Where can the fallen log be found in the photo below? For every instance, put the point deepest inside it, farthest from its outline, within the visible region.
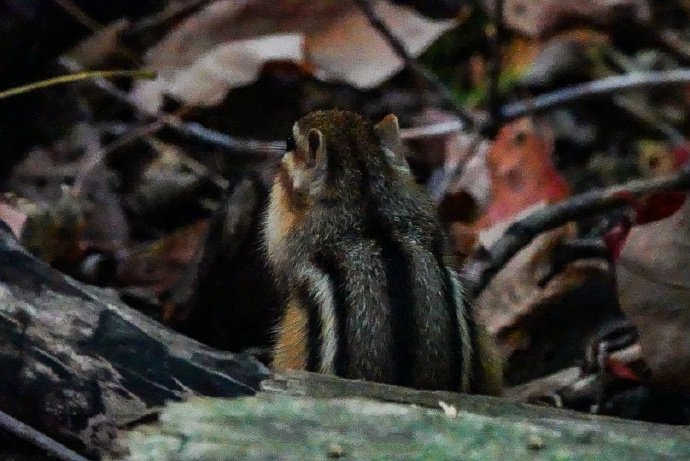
(301, 416)
(76, 363)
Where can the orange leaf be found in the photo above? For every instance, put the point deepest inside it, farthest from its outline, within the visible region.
(521, 171)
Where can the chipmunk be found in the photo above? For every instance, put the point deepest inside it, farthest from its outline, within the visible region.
(359, 247)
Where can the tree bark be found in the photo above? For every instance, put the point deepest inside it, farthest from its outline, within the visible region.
(76, 363)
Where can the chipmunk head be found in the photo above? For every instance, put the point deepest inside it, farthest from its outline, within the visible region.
(328, 155)
(333, 148)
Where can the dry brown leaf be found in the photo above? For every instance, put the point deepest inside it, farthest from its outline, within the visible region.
(173, 181)
(158, 266)
(350, 50)
(226, 44)
(13, 217)
(515, 290)
(568, 56)
(207, 81)
(536, 315)
(537, 17)
(654, 291)
(659, 158)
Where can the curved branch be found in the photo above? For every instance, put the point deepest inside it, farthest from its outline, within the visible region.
(38, 439)
(596, 88)
(481, 271)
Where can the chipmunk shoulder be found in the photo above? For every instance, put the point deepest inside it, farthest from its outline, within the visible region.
(359, 249)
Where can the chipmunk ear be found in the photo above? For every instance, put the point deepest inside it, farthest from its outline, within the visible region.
(388, 132)
(315, 147)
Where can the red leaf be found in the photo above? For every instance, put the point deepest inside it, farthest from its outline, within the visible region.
(521, 171)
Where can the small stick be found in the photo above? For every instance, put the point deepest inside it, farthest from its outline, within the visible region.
(399, 48)
(80, 15)
(38, 439)
(169, 13)
(496, 38)
(434, 129)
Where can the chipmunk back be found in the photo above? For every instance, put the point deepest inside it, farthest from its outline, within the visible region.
(360, 251)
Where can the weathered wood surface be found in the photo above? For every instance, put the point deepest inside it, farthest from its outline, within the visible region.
(76, 363)
(301, 416)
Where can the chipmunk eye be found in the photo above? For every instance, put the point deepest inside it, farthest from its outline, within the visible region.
(290, 144)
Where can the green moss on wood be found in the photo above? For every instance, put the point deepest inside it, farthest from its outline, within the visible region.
(274, 426)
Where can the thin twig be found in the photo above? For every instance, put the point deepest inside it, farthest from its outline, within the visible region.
(169, 13)
(398, 47)
(564, 96)
(79, 14)
(270, 149)
(640, 108)
(62, 79)
(38, 439)
(434, 129)
(438, 189)
(675, 43)
(496, 38)
(596, 88)
(480, 271)
(642, 113)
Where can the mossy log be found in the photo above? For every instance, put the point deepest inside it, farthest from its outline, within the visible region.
(302, 416)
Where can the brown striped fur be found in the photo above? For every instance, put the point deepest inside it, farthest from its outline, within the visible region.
(360, 251)
(291, 348)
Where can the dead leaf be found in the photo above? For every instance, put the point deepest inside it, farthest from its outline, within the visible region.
(13, 217)
(515, 289)
(654, 291)
(650, 208)
(158, 266)
(226, 44)
(538, 17)
(63, 192)
(173, 183)
(521, 171)
(457, 158)
(655, 158)
(350, 50)
(535, 311)
(207, 81)
(53, 229)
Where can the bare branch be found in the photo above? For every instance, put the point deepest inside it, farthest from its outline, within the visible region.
(38, 439)
(596, 88)
(480, 271)
(434, 129)
(79, 14)
(170, 12)
(495, 42)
